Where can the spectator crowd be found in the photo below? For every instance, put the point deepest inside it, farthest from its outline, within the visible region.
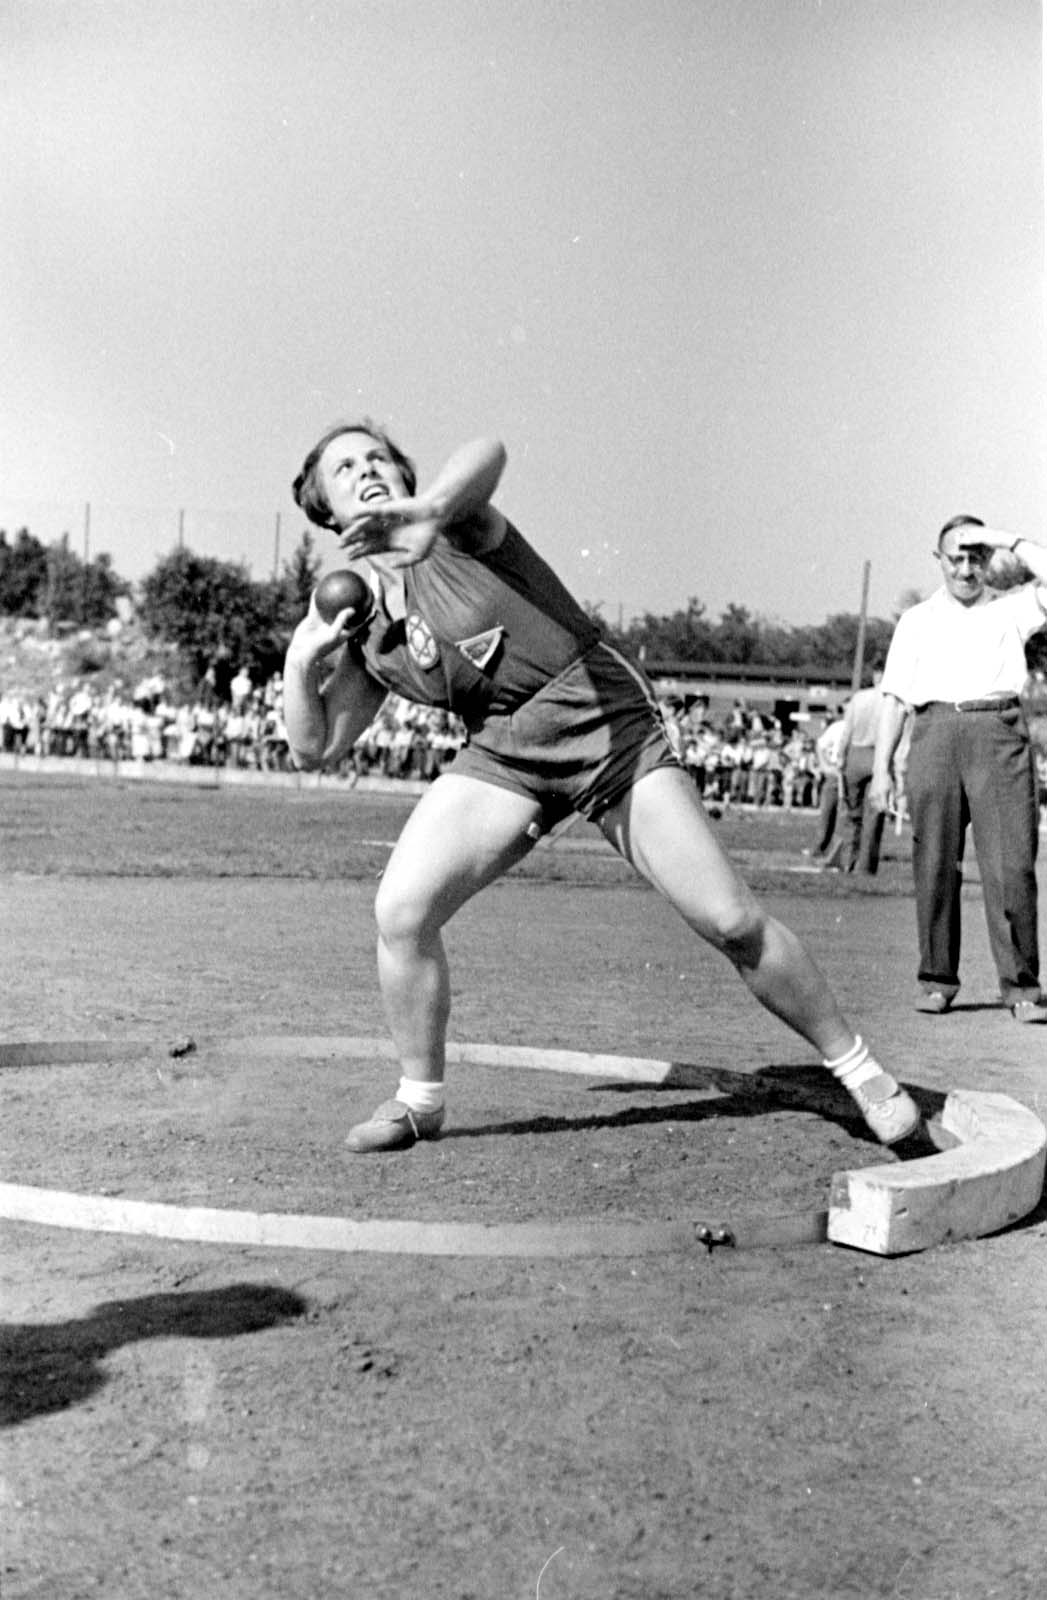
(744, 758)
(245, 731)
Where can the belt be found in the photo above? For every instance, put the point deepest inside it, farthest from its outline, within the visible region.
(1000, 702)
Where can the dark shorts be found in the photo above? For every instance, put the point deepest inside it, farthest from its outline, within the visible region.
(579, 744)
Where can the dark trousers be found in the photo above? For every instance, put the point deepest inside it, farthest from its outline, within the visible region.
(975, 768)
(864, 825)
(828, 804)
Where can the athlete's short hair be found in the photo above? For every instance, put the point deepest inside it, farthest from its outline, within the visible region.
(959, 522)
(309, 491)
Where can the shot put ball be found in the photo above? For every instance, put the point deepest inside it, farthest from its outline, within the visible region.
(340, 590)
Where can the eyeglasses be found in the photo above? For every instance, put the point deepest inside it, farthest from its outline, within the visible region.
(978, 557)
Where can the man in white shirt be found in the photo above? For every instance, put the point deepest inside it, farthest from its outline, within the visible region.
(958, 661)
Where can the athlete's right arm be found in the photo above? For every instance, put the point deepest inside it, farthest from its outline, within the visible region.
(326, 708)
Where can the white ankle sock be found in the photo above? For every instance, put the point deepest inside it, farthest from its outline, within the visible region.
(420, 1095)
(856, 1067)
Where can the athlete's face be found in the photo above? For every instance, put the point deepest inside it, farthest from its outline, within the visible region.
(356, 471)
(963, 566)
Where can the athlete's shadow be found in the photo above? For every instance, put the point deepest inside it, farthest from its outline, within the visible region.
(778, 1088)
(50, 1366)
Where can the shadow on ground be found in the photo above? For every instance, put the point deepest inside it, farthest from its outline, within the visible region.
(782, 1088)
(51, 1366)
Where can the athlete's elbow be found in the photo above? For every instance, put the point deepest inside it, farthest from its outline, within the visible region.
(489, 457)
(307, 760)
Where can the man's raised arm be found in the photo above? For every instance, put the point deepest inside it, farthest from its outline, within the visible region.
(1032, 556)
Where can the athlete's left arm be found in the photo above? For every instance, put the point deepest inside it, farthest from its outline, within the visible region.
(456, 506)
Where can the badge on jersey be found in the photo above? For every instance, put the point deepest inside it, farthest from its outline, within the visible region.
(421, 646)
(482, 647)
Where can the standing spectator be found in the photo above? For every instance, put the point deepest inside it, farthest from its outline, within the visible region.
(14, 723)
(115, 725)
(141, 744)
(240, 689)
(742, 753)
(184, 743)
(274, 740)
(765, 775)
(797, 771)
(717, 776)
(728, 760)
(958, 660)
(168, 733)
(204, 723)
(759, 759)
(775, 765)
(236, 735)
(254, 728)
(37, 722)
(693, 758)
(827, 758)
(80, 706)
(861, 847)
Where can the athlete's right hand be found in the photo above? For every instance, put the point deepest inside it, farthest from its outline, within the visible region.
(313, 639)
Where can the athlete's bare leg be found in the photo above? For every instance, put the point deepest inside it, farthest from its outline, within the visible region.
(661, 827)
(462, 835)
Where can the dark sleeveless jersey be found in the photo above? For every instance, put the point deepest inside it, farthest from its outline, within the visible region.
(482, 633)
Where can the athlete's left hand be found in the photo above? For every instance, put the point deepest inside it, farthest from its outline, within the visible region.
(404, 529)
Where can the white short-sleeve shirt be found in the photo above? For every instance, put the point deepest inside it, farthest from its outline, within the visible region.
(942, 650)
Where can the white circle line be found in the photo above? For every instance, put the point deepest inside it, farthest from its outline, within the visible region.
(209, 1225)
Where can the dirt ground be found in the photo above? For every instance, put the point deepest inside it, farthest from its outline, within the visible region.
(185, 1420)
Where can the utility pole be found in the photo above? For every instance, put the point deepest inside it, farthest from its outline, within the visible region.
(87, 557)
(859, 646)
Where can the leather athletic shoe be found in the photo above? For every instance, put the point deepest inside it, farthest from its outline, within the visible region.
(1029, 1011)
(888, 1111)
(394, 1126)
(933, 1003)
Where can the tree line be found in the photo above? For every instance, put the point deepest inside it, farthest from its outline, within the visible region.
(208, 610)
(214, 610)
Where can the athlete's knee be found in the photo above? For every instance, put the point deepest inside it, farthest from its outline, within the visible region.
(739, 929)
(402, 914)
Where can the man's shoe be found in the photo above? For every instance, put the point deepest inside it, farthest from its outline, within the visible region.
(933, 1003)
(1029, 1011)
(394, 1126)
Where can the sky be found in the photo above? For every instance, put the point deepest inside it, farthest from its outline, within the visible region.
(752, 290)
